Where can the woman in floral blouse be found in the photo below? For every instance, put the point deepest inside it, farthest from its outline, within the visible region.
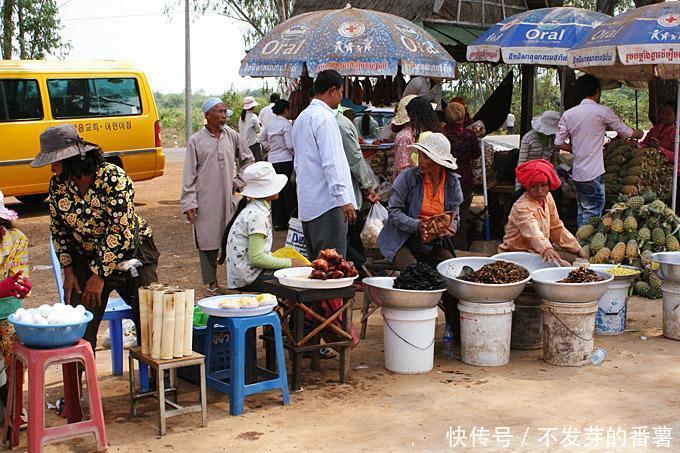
(95, 230)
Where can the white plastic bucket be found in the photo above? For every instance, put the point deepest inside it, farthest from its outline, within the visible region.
(485, 331)
(612, 308)
(568, 330)
(671, 310)
(409, 340)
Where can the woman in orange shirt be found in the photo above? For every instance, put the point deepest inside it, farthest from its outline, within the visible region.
(534, 224)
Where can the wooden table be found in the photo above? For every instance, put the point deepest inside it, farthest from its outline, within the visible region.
(161, 366)
(299, 303)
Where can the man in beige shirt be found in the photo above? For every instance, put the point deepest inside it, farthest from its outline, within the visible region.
(208, 183)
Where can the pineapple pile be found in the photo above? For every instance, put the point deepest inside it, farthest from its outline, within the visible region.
(632, 170)
(634, 228)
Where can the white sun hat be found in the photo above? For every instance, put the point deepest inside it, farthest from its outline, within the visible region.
(437, 147)
(262, 181)
(546, 123)
(249, 102)
(5, 213)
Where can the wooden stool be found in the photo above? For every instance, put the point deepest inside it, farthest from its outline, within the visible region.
(296, 305)
(37, 361)
(161, 366)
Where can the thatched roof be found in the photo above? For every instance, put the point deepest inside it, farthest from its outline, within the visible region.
(479, 13)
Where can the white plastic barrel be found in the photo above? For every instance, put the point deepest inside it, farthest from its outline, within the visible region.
(568, 330)
(671, 310)
(409, 340)
(485, 331)
(612, 308)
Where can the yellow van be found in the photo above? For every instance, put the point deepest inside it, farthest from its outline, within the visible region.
(109, 102)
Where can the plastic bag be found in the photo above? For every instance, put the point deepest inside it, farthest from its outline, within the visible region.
(377, 217)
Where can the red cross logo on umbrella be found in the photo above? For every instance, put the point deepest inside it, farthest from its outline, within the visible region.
(669, 20)
(351, 29)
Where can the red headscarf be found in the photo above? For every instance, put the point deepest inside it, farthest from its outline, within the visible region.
(538, 171)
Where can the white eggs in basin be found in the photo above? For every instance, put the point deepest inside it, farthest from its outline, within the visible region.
(51, 314)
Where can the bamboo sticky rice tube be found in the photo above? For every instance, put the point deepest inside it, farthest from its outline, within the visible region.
(188, 321)
(157, 326)
(168, 334)
(143, 320)
(178, 345)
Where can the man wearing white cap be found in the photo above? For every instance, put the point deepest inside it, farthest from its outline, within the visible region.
(208, 182)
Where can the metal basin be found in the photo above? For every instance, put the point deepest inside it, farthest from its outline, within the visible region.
(530, 261)
(381, 291)
(666, 266)
(545, 282)
(477, 292)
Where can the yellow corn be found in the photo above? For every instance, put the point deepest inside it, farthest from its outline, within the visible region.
(621, 271)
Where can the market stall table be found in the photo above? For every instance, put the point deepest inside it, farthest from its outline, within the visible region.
(296, 306)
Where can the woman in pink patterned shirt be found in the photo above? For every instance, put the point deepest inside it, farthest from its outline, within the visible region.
(414, 116)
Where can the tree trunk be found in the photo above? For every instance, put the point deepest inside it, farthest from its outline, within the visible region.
(22, 33)
(7, 28)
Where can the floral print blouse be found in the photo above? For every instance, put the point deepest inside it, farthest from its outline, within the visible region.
(99, 225)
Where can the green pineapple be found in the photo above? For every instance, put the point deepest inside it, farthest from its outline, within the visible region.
(672, 244)
(658, 236)
(635, 202)
(632, 249)
(585, 231)
(630, 224)
(643, 288)
(644, 234)
(649, 196)
(598, 240)
(654, 282)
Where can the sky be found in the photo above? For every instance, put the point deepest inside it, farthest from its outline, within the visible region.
(138, 31)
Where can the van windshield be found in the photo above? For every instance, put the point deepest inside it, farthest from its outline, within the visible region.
(20, 100)
(85, 98)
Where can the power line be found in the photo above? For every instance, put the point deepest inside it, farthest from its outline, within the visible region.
(122, 16)
(64, 4)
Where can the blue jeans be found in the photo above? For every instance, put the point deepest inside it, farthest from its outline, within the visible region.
(589, 199)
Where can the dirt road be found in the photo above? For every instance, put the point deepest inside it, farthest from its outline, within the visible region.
(524, 406)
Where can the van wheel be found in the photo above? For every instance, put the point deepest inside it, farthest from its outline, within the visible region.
(32, 199)
(115, 160)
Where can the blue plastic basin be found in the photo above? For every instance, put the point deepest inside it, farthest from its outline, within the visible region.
(49, 336)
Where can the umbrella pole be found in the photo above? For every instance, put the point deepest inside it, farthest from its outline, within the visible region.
(637, 122)
(487, 219)
(675, 153)
(563, 88)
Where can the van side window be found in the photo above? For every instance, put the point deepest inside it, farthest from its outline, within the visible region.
(20, 100)
(86, 98)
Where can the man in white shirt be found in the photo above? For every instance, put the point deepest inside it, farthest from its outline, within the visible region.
(326, 201)
(266, 113)
(510, 123)
(585, 125)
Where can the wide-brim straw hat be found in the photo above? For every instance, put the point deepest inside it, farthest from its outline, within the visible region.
(401, 117)
(437, 147)
(7, 214)
(262, 181)
(249, 102)
(546, 123)
(58, 143)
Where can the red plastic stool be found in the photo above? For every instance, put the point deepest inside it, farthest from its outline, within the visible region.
(37, 361)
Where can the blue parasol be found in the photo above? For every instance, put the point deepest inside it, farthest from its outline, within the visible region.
(536, 37)
(354, 42)
(636, 45)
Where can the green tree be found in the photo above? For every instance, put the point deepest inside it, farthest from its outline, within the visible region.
(31, 29)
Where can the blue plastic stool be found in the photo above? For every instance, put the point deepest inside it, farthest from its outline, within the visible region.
(232, 380)
(116, 311)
